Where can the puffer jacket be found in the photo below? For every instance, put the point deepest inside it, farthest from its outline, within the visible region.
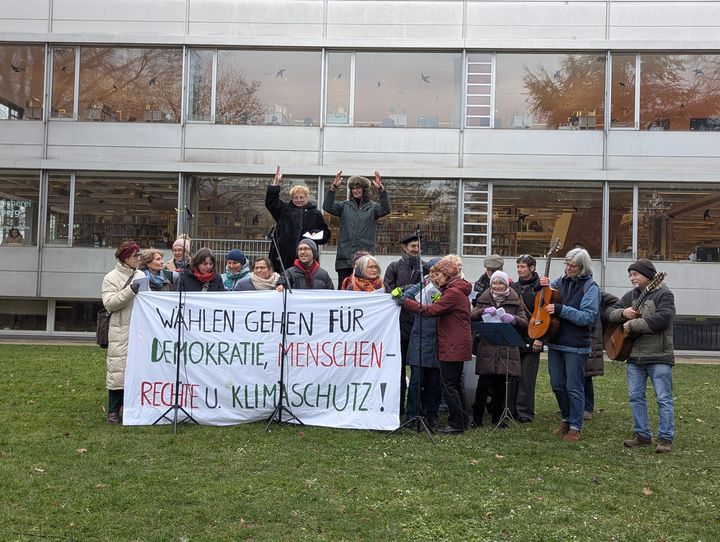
(357, 225)
(492, 359)
(118, 299)
(652, 333)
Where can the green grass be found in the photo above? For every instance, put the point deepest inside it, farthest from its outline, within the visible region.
(66, 475)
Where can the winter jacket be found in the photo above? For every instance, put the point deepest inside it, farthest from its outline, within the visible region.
(422, 347)
(595, 364)
(292, 222)
(296, 278)
(401, 273)
(527, 289)
(357, 225)
(493, 359)
(578, 310)
(118, 299)
(188, 282)
(652, 333)
(452, 312)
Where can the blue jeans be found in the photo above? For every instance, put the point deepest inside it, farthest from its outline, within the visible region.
(567, 378)
(661, 377)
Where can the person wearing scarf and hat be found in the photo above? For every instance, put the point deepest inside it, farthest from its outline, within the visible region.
(454, 339)
(199, 275)
(491, 264)
(366, 276)
(652, 355)
(236, 268)
(358, 218)
(181, 255)
(493, 362)
(118, 294)
(306, 273)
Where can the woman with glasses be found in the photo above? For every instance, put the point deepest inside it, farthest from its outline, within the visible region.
(366, 276)
(118, 295)
(569, 348)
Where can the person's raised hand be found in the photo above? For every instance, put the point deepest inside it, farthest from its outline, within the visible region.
(338, 180)
(377, 182)
(278, 176)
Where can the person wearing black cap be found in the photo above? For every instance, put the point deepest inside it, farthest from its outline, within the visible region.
(652, 356)
(306, 273)
(401, 274)
(236, 267)
(294, 219)
(491, 264)
(358, 218)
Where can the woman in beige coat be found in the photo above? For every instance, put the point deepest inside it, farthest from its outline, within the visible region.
(118, 294)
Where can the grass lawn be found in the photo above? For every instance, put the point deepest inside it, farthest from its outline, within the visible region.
(66, 475)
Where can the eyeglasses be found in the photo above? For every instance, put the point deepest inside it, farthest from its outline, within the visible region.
(571, 265)
(136, 255)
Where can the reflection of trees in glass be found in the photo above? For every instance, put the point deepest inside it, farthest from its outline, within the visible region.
(236, 99)
(578, 85)
(63, 81)
(676, 88)
(21, 78)
(130, 84)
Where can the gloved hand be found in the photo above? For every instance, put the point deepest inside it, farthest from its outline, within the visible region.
(397, 292)
(507, 318)
(490, 310)
(134, 286)
(436, 296)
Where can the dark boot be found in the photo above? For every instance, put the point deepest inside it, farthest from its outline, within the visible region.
(637, 440)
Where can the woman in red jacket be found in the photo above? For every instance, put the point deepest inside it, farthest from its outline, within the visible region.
(454, 339)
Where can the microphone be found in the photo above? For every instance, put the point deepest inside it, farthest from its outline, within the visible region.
(189, 214)
(269, 235)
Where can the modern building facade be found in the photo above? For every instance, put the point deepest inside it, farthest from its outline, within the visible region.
(498, 126)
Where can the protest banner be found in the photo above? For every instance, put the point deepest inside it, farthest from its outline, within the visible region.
(342, 357)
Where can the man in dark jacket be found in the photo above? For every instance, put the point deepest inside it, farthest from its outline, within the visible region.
(306, 273)
(403, 273)
(491, 263)
(294, 219)
(358, 217)
(650, 326)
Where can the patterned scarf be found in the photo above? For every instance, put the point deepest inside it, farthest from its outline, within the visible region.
(232, 278)
(362, 284)
(158, 279)
(308, 272)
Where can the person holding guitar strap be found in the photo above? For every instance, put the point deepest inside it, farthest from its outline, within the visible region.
(569, 347)
(652, 355)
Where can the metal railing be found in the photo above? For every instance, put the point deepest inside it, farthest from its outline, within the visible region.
(253, 248)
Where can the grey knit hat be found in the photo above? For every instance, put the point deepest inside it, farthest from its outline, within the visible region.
(312, 245)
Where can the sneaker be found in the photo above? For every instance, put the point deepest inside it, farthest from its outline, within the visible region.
(637, 440)
(587, 415)
(573, 435)
(562, 429)
(663, 446)
(113, 418)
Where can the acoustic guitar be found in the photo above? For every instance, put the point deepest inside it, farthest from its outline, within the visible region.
(617, 343)
(542, 325)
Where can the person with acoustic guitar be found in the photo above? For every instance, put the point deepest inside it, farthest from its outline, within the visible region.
(651, 327)
(568, 348)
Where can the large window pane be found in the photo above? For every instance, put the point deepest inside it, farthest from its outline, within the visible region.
(679, 221)
(268, 87)
(200, 84)
(620, 222)
(73, 315)
(408, 89)
(63, 82)
(623, 91)
(23, 314)
(19, 195)
(130, 85)
(112, 208)
(57, 219)
(338, 88)
(22, 72)
(680, 92)
(430, 203)
(550, 91)
(527, 217)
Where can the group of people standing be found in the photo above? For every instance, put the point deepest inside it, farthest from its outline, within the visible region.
(438, 308)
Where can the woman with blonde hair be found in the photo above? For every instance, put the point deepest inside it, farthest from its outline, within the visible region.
(152, 265)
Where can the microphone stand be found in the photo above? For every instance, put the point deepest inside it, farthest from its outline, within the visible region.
(180, 322)
(418, 420)
(277, 413)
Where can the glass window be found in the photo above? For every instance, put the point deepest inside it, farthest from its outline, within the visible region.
(431, 203)
(475, 219)
(23, 314)
(22, 72)
(680, 92)
(130, 85)
(63, 82)
(200, 84)
(623, 91)
(19, 196)
(478, 89)
(112, 208)
(679, 222)
(58, 209)
(550, 91)
(76, 315)
(620, 222)
(408, 90)
(338, 88)
(268, 87)
(527, 217)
